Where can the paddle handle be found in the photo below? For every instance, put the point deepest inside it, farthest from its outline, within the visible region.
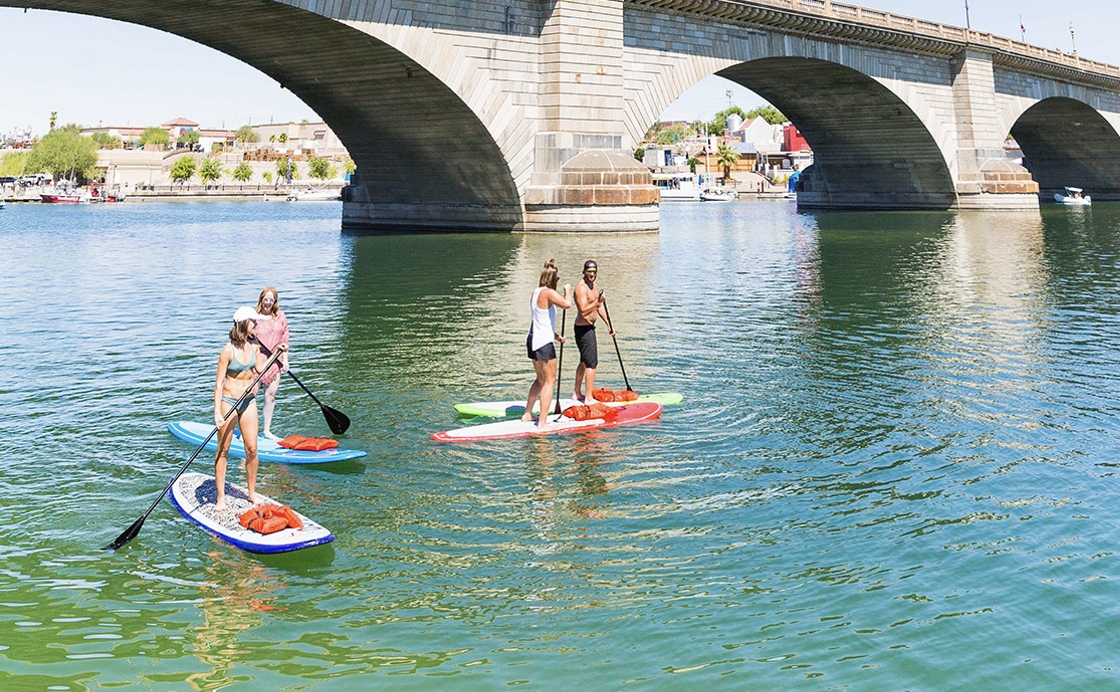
(610, 326)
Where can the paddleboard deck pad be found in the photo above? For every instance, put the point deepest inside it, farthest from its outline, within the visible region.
(502, 409)
(625, 414)
(267, 450)
(194, 495)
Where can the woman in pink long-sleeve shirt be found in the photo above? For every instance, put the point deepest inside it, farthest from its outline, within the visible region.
(271, 331)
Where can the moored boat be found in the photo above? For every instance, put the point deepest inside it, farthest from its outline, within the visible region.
(718, 195)
(312, 195)
(65, 197)
(679, 187)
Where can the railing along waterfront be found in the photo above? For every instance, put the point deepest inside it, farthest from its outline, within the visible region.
(835, 19)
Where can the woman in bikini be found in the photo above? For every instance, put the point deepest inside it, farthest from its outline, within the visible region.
(538, 344)
(238, 366)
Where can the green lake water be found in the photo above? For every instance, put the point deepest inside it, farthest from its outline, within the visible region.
(895, 467)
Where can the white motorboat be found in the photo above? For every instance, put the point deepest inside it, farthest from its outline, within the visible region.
(677, 187)
(312, 195)
(718, 195)
(1073, 197)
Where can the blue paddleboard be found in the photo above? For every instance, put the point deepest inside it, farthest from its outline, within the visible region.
(267, 450)
(194, 495)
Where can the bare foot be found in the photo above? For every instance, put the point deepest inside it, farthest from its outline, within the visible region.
(269, 435)
(220, 506)
(255, 499)
(528, 418)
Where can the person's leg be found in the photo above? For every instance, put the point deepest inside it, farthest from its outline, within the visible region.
(580, 370)
(249, 426)
(547, 388)
(269, 406)
(590, 375)
(534, 390)
(225, 436)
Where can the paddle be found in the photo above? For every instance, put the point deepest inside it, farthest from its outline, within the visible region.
(336, 419)
(134, 530)
(560, 364)
(610, 326)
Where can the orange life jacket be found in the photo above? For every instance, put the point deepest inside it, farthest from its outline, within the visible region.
(266, 519)
(311, 444)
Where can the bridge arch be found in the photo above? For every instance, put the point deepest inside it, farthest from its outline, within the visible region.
(1067, 142)
(870, 148)
(391, 112)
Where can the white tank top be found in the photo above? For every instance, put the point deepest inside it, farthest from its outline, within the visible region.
(543, 325)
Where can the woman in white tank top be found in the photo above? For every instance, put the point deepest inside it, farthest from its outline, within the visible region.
(538, 343)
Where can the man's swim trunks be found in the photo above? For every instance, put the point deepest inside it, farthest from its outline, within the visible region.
(588, 347)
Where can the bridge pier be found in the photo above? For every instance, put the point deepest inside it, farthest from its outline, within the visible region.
(986, 179)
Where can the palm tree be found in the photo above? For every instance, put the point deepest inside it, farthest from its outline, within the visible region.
(54, 118)
(727, 158)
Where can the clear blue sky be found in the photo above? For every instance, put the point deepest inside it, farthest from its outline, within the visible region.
(95, 70)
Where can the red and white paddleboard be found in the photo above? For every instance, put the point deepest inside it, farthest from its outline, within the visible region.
(638, 412)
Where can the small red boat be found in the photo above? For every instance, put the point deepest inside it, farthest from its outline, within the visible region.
(65, 197)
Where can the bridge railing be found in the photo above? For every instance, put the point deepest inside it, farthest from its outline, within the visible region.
(935, 30)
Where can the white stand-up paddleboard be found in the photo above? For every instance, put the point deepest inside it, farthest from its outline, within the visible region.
(267, 450)
(636, 412)
(194, 495)
(502, 409)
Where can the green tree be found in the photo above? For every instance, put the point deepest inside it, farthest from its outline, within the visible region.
(54, 118)
(14, 163)
(267, 175)
(677, 132)
(184, 168)
(283, 137)
(282, 169)
(727, 158)
(155, 135)
(768, 113)
(243, 173)
(210, 170)
(188, 138)
(693, 162)
(319, 168)
(64, 152)
(350, 167)
(104, 140)
(640, 154)
(246, 135)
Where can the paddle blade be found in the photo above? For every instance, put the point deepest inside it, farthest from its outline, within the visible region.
(337, 420)
(129, 533)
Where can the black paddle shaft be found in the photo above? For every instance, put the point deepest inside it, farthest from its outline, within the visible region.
(560, 363)
(134, 530)
(610, 326)
(337, 420)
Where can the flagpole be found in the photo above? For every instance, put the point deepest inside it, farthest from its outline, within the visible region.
(1022, 30)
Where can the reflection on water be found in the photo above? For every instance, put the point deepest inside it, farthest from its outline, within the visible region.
(894, 467)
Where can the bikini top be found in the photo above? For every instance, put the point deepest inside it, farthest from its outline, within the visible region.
(236, 367)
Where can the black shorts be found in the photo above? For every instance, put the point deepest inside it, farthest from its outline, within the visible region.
(544, 353)
(588, 347)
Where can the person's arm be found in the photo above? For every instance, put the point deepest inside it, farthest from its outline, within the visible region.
(561, 301)
(223, 363)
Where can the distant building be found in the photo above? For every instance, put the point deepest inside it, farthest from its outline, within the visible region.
(302, 139)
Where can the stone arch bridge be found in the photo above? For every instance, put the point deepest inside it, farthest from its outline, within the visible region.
(521, 115)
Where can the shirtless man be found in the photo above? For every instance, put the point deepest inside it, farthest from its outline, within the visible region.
(589, 303)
